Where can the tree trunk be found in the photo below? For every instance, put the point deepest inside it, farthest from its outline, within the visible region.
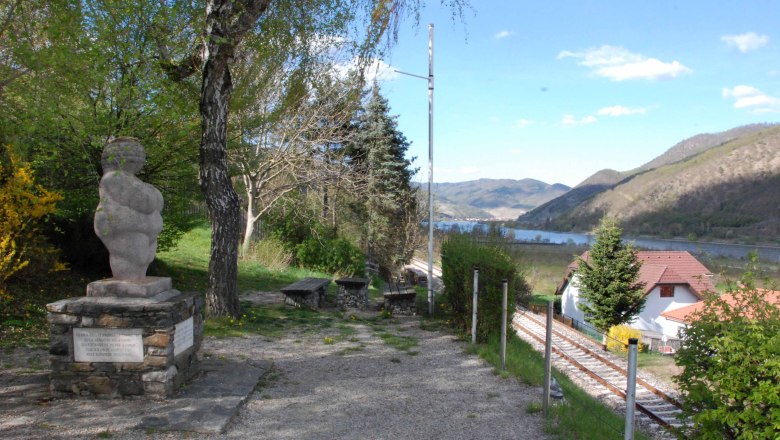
(221, 199)
(249, 229)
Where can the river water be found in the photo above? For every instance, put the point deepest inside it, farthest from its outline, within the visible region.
(765, 253)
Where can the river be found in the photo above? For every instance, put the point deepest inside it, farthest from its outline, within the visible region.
(765, 253)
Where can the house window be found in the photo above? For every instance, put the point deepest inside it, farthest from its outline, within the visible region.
(667, 291)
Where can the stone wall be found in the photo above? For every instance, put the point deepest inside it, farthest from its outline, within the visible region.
(113, 347)
(401, 305)
(353, 293)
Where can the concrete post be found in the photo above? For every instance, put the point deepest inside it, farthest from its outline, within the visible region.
(631, 389)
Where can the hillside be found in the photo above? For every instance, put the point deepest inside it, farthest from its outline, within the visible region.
(492, 198)
(725, 186)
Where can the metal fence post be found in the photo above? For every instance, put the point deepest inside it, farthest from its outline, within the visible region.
(547, 360)
(631, 389)
(505, 288)
(474, 308)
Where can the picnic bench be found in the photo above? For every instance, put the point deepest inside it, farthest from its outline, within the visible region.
(400, 298)
(308, 292)
(353, 293)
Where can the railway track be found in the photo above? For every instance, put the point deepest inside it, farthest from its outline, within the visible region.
(581, 356)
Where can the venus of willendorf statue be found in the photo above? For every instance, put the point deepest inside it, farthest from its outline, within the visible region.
(127, 218)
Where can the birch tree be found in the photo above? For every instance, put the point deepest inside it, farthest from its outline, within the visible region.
(227, 24)
(284, 136)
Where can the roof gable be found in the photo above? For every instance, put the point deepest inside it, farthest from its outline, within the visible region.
(682, 314)
(664, 267)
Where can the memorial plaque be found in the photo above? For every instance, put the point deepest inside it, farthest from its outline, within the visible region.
(182, 338)
(108, 345)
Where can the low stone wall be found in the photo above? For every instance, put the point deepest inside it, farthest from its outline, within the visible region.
(401, 305)
(113, 347)
(353, 293)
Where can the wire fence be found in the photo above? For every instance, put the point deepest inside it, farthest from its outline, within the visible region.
(592, 407)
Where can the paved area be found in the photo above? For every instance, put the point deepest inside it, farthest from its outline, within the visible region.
(205, 406)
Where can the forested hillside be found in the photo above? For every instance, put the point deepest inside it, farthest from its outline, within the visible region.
(726, 186)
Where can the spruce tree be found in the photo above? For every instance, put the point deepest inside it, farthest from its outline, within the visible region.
(608, 281)
(380, 148)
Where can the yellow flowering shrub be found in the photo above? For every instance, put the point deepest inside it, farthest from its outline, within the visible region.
(619, 336)
(23, 204)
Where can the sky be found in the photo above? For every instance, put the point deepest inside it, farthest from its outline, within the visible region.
(558, 90)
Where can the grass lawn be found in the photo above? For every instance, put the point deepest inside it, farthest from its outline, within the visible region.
(187, 265)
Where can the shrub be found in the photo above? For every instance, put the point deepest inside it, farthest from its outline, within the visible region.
(330, 255)
(270, 253)
(23, 205)
(731, 354)
(460, 255)
(619, 336)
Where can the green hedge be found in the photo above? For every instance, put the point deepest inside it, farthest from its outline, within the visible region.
(331, 255)
(460, 255)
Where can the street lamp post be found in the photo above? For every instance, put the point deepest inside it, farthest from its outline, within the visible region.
(430, 164)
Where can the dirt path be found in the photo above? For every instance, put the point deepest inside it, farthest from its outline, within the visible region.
(361, 379)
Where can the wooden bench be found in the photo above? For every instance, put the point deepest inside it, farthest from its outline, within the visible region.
(400, 298)
(308, 292)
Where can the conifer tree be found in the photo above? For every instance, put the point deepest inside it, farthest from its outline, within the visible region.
(380, 148)
(608, 281)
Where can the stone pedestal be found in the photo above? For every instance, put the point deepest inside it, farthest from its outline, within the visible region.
(114, 347)
(353, 293)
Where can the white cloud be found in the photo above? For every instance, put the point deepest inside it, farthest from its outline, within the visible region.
(503, 34)
(746, 42)
(751, 98)
(619, 110)
(516, 151)
(376, 69)
(524, 123)
(571, 120)
(619, 64)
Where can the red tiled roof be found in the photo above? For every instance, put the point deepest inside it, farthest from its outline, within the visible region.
(665, 267)
(681, 314)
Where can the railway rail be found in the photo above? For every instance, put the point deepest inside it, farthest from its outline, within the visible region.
(659, 406)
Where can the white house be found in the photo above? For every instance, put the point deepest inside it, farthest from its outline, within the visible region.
(673, 279)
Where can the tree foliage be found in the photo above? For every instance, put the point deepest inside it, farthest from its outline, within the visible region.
(460, 254)
(380, 149)
(609, 291)
(730, 352)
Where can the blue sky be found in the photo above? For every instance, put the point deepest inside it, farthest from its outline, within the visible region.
(558, 90)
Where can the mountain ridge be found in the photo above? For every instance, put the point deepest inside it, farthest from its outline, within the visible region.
(492, 199)
(721, 185)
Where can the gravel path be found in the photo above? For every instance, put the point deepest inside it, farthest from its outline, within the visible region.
(357, 386)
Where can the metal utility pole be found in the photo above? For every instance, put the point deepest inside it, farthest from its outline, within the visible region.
(430, 170)
(431, 295)
(505, 289)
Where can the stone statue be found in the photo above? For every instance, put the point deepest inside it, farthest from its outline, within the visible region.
(127, 218)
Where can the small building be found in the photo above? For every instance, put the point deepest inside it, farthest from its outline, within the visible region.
(682, 316)
(672, 279)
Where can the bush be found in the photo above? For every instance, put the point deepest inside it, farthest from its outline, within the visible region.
(331, 255)
(460, 255)
(731, 354)
(619, 336)
(23, 206)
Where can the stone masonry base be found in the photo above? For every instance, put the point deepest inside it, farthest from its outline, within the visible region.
(160, 360)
